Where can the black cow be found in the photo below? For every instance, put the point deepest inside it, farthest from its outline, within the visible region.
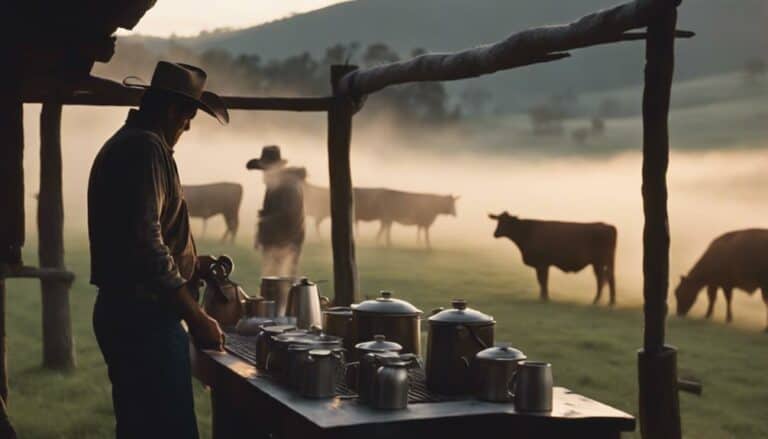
(736, 259)
(207, 200)
(568, 246)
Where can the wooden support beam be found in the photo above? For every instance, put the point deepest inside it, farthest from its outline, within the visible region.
(657, 362)
(520, 49)
(11, 169)
(58, 344)
(342, 202)
(104, 92)
(3, 352)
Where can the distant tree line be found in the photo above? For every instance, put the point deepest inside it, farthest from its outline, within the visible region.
(300, 75)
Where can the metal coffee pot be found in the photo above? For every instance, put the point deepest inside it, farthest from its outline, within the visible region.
(369, 363)
(494, 371)
(390, 385)
(320, 371)
(305, 303)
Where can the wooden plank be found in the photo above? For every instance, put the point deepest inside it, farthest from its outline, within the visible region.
(531, 46)
(58, 345)
(104, 92)
(38, 273)
(345, 279)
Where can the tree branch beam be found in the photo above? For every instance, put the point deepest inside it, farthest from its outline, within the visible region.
(520, 49)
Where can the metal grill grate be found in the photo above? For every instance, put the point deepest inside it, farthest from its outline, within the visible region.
(245, 348)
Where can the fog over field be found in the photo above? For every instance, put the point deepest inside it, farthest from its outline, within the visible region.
(493, 166)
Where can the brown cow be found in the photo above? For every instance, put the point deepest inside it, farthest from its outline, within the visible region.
(568, 246)
(385, 205)
(736, 259)
(207, 200)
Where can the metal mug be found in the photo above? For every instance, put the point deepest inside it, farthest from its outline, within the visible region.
(276, 288)
(533, 387)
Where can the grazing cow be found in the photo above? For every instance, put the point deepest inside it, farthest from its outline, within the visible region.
(317, 203)
(207, 200)
(406, 208)
(386, 206)
(568, 246)
(737, 259)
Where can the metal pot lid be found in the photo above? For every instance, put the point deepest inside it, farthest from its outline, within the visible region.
(278, 329)
(501, 352)
(379, 344)
(461, 314)
(339, 310)
(386, 304)
(319, 352)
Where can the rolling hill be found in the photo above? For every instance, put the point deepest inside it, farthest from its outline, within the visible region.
(728, 33)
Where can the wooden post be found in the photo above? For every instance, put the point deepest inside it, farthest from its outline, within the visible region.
(58, 346)
(657, 362)
(342, 203)
(3, 362)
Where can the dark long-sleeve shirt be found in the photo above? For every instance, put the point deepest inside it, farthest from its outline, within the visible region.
(138, 222)
(281, 219)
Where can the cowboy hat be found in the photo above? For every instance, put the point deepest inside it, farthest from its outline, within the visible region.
(270, 157)
(185, 81)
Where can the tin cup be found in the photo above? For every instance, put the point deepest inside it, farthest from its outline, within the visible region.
(533, 387)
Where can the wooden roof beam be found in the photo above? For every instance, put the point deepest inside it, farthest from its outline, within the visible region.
(542, 44)
(105, 92)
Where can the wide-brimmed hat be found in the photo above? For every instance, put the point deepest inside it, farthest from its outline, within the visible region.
(270, 157)
(185, 81)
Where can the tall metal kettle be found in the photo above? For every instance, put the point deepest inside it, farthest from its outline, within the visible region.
(306, 304)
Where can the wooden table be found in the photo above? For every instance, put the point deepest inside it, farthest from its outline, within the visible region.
(247, 404)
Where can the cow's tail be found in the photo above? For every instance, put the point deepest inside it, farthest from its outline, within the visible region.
(611, 264)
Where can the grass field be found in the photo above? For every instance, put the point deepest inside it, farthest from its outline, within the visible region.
(592, 349)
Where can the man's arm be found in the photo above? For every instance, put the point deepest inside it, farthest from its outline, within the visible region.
(160, 269)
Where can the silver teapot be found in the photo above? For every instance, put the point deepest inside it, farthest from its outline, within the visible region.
(390, 384)
(306, 304)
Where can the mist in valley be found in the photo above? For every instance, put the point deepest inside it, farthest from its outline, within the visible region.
(492, 165)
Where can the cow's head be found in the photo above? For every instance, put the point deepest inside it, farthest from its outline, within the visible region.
(450, 205)
(505, 224)
(686, 293)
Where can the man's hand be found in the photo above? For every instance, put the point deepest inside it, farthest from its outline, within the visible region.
(205, 331)
(203, 266)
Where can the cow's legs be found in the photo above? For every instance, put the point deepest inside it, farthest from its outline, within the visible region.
(728, 291)
(600, 277)
(205, 224)
(611, 281)
(712, 294)
(389, 234)
(542, 273)
(765, 300)
(382, 227)
(418, 234)
(426, 237)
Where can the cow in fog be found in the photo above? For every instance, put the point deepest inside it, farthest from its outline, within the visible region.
(207, 200)
(385, 205)
(406, 208)
(317, 203)
(736, 259)
(568, 246)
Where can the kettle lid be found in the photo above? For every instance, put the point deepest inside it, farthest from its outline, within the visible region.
(379, 344)
(461, 314)
(501, 352)
(304, 282)
(386, 304)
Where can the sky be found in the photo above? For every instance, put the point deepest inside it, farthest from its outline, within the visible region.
(189, 17)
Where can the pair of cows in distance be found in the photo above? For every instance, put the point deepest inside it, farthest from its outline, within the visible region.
(734, 260)
(737, 259)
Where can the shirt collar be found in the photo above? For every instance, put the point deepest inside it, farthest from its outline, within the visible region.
(137, 120)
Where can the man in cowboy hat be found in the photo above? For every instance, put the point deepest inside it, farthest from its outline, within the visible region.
(280, 228)
(144, 262)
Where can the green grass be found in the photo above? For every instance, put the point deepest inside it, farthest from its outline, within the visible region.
(592, 349)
